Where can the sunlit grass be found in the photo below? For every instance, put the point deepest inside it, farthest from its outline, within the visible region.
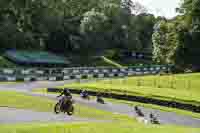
(114, 127)
(23, 101)
(183, 88)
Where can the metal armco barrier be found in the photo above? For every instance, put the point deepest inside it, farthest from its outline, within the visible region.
(77, 73)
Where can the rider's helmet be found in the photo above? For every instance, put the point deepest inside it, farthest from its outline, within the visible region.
(136, 108)
(66, 91)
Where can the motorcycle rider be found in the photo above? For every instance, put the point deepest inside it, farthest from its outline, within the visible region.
(66, 96)
(138, 111)
(84, 93)
(99, 98)
(153, 119)
(136, 108)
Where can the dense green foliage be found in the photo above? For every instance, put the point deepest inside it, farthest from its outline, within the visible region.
(176, 41)
(67, 26)
(5, 63)
(88, 27)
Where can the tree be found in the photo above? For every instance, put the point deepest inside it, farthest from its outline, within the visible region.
(67, 26)
(93, 27)
(143, 24)
(176, 41)
(93, 21)
(191, 12)
(159, 39)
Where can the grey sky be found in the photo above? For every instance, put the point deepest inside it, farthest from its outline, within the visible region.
(161, 7)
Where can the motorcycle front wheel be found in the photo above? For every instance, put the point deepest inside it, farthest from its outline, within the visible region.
(57, 108)
(100, 101)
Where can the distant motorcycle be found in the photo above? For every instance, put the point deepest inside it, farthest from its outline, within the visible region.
(153, 119)
(85, 95)
(64, 105)
(100, 100)
(138, 111)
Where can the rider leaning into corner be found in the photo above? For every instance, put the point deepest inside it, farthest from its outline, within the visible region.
(84, 93)
(66, 95)
(100, 97)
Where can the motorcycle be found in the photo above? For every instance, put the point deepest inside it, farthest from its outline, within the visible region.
(85, 96)
(138, 111)
(100, 100)
(153, 119)
(64, 105)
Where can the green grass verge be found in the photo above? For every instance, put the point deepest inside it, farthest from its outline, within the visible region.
(23, 101)
(181, 88)
(119, 127)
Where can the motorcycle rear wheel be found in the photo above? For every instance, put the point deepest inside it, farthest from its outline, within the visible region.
(70, 111)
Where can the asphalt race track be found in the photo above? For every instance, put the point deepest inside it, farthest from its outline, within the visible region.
(12, 115)
(163, 117)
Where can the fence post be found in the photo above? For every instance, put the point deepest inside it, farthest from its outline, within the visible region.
(189, 85)
(121, 81)
(138, 82)
(111, 81)
(124, 81)
(155, 82)
(171, 83)
(158, 83)
(174, 83)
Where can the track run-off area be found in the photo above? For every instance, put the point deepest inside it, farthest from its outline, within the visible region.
(12, 115)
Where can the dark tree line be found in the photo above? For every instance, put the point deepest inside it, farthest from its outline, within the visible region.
(92, 26)
(79, 26)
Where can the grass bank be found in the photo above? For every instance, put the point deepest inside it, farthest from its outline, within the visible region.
(119, 127)
(181, 88)
(23, 101)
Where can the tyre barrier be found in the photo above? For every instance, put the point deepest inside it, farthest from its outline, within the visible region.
(71, 76)
(59, 74)
(146, 100)
(89, 70)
